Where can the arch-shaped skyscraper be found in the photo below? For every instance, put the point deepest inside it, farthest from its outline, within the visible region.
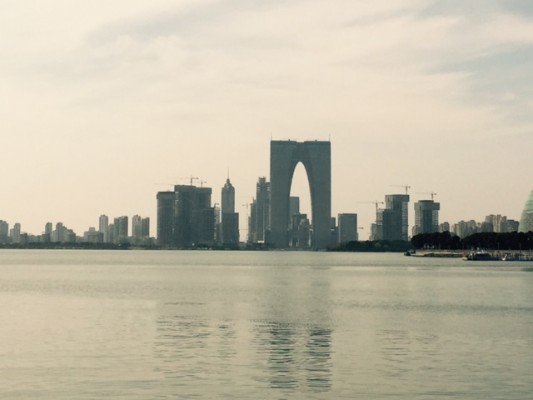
(316, 159)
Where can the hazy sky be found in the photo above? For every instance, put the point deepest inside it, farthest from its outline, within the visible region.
(104, 103)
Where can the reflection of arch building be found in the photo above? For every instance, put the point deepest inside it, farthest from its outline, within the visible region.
(316, 159)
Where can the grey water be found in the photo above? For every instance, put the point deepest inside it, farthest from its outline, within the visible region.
(267, 325)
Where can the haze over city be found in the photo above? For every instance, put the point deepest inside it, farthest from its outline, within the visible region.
(106, 103)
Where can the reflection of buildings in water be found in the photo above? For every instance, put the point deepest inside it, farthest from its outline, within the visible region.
(184, 342)
(299, 356)
(395, 349)
(281, 355)
(319, 358)
(226, 341)
(399, 347)
(180, 338)
(195, 354)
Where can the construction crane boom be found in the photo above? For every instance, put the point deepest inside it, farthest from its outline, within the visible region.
(376, 203)
(432, 194)
(406, 187)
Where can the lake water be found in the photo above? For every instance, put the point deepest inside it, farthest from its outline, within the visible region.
(262, 325)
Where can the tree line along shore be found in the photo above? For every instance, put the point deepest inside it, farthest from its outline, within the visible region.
(516, 241)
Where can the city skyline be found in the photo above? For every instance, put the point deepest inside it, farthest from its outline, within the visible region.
(108, 106)
(299, 187)
(186, 217)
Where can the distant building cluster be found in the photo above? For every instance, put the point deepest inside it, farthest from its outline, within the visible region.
(115, 233)
(392, 222)
(118, 231)
(492, 223)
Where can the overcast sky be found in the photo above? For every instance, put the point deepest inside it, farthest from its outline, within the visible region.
(104, 103)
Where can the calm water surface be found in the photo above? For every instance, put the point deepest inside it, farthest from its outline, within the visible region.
(262, 325)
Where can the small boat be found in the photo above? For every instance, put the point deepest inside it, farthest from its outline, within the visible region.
(480, 255)
(516, 257)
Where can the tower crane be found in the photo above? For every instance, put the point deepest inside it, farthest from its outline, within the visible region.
(376, 203)
(406, 187)
(190, 178)
(432, 194)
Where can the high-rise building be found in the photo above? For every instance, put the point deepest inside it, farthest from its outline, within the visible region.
(62, 234)
(202, 227)
(260, 214)
(136, 229)
(347, 228)
(294, 207)
(48, 229)
(299, 232)
(229, 233)
(526, 220)
(496, 222)
(121, 228)
(15, 233)
(230, 229)
(4, 232)
(387, 225)
(395, 217)
(140, 229)
(316, 159)
(185, 217)
(103, 227)
(111, 233)
(194, 218)
(251, 222)
(227, 198)
(426, 217)
(145, 227)
(165, 218)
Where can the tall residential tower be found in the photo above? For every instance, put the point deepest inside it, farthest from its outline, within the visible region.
(229, 218)
(426, 217)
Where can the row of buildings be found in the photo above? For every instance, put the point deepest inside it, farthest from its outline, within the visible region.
(116, 232)
(186, 218)
(392, 221)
